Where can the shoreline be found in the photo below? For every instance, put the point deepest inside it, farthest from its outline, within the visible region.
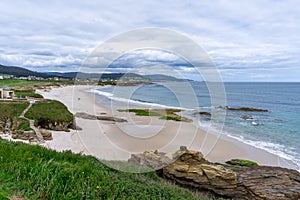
(117, 141)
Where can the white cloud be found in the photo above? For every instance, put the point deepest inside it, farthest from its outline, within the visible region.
(239, 35)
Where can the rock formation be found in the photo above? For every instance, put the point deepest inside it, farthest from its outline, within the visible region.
(58, 126)
(246, 109)
(30, 135)
(189, 169)
(47, 135)
(95, 117)
(204, 113)
(23, 135)
(246, 117)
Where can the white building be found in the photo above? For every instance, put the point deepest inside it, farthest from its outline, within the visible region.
(6, 94)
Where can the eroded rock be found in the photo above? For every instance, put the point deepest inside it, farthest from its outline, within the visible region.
(95, 117)
(47, 135)
(189, 169)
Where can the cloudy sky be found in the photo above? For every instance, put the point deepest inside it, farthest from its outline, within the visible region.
(254, 40)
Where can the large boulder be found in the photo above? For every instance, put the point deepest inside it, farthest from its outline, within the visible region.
(189, 169)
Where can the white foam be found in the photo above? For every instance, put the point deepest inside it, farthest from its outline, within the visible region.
(133, 102)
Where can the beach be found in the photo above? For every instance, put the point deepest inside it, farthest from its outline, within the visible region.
(117, 141)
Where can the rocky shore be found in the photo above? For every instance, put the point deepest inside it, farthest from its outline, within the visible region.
(189, 169)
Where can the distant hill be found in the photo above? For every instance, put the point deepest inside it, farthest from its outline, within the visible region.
(19, 72)
(113, 76)
(161, 77)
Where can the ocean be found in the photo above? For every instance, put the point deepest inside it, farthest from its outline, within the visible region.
(277, 131)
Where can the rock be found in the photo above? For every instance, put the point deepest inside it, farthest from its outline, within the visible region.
(246, 109)
(95, 117)
(246, 117)
(58, 126)
(189, 169)
(263, 182)
(23, 135)
(204, 113)
(85, 116)
(47, 135)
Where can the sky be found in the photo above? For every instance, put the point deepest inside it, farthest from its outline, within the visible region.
(254, 40)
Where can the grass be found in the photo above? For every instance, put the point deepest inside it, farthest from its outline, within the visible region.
(32, 84)
(49, 111)
(241, 162)
(166, 114)
(12, 109)
(17, 82)
(34, 172)
(27, 93)
(24, 126)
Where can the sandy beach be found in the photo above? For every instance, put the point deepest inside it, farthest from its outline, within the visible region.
(117, 141)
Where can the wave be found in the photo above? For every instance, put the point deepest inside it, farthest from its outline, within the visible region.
(276, 149)
(134, 102)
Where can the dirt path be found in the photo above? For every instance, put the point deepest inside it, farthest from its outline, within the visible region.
(31, 124)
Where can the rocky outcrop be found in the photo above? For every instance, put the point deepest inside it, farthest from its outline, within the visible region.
(189, 169)
(58, 126)
(95, 117)
(31, 135)
(246, 117)
(263, 182)
(246, 109)
(47, 135)
(6, 124)
(23, 135)
(204, 113)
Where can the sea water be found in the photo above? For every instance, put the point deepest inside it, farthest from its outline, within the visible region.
(277, 131)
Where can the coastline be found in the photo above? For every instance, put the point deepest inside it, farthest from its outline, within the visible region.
(116, 141)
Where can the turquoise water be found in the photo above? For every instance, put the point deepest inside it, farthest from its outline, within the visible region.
(278, 131)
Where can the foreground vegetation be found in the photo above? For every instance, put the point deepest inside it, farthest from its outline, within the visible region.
(33, 172)
(167, 114)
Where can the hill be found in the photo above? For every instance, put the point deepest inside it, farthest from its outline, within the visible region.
(97, 76)
(19, 72)
(161, 77)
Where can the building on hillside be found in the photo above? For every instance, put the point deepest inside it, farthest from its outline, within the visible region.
(6, 94)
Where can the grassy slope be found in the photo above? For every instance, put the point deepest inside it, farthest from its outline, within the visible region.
(34, 172)
(12, 109)
(53, 111)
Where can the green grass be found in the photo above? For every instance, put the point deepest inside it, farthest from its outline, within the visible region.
(17, 82)
(241, 162)
(27, 93)
(49, 111)
(166, 114)
(24, 126)
(12, 109)
(34, 172)
(141, 112)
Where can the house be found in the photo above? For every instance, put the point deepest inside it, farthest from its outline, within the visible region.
(6, 94)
